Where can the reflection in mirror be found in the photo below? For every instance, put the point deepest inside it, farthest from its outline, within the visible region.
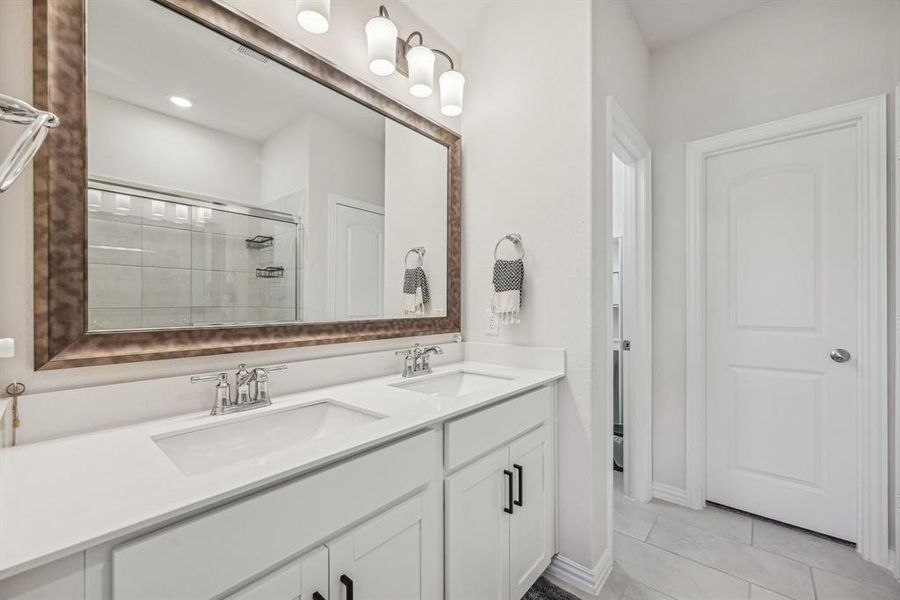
(227, 188)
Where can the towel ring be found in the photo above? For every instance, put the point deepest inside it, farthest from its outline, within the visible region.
(516, 240)
(419, 251)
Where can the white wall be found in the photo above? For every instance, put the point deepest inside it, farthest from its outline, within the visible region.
(147, 147)
(620, 68)
(341, 162)
(534, 148)
(343, 46)
(415, 214)
(774, 61)
(284, 168)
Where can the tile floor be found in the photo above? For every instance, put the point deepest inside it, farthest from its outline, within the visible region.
(666, 552)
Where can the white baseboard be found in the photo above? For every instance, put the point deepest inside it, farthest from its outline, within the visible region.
(580, 577)
(669, 493)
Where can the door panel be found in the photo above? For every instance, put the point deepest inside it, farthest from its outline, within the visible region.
(531, 524)
(381, 559)
(358, 269)
(299, 578)
(782, 292)
(477, 530)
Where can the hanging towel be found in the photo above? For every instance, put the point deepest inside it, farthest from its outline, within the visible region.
(415, 292)
(509, 279)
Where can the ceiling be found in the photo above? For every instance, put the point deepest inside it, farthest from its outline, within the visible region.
(665, 21)
(455, 20)
(142, 53)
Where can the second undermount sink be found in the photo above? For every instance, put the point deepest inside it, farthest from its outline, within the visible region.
(221, 444)
(452, 385)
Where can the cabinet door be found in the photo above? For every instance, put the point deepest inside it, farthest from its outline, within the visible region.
(382, 559)
(477, 530)
(299, 579)
(532, 522)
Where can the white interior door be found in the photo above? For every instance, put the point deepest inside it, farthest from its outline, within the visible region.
(357, 261)
(782, 294)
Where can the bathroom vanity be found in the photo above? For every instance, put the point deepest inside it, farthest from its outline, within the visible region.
(439, 486)
(274, 201)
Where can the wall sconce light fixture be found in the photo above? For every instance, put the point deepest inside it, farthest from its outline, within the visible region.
(314, 15)
(388, 53)
(381, 39)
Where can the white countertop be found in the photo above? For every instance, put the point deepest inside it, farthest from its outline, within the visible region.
(63, 496)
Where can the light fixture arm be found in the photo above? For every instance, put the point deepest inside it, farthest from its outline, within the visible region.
(383, 12)
(414, 34)
(445, 55)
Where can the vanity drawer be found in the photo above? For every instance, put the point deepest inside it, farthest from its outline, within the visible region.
(469, 437)
(207, 555)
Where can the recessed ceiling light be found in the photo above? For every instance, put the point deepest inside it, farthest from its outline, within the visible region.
(180, 101)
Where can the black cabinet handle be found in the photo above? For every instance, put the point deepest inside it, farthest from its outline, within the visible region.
(349, 583)
(519, 469)
(509, 479)
(318, 596)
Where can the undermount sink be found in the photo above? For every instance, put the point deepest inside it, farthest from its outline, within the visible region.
(221, 444)
(452, 385)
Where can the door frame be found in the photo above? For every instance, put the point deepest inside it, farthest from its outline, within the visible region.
(868, 117)
(896, 565)
(637, 404)
(335, 200)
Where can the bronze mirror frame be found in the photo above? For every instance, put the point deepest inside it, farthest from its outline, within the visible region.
(61, 338)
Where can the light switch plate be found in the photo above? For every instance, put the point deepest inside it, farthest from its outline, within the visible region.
(493, 324)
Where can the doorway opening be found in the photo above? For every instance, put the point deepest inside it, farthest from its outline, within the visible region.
(628, 186)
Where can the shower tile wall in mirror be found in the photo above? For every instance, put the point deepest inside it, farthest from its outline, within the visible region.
(227, 188)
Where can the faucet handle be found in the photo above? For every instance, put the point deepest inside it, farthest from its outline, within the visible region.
(220, 377)
(223, 391)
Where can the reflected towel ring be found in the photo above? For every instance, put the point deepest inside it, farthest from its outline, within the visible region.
(419, 251)
(516, 240)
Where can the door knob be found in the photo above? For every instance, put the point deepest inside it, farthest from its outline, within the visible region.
(839, 355)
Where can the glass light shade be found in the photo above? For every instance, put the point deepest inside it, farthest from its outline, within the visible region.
(451, 83)
(421, 71)
(314, 15)
(381, 38)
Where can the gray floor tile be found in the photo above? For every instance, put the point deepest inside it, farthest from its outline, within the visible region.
(714, 520)
(637, 591)
(759, 566)
(758, 593)
(821, 553)
(679, 577)
(830, 586)
(633, 518)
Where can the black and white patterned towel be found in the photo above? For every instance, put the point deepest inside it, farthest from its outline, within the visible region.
(509, 281)
(415, 291)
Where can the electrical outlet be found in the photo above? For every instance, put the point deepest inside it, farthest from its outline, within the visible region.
(493, 324)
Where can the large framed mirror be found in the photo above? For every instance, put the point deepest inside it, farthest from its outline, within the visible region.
(214, 188)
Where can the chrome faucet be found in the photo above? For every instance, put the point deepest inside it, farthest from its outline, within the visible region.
(416, 359)
(244, 378)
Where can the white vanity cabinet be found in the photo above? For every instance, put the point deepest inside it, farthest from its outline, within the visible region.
(383, 558)
(499, 509)
(290, 538)
(305, 578)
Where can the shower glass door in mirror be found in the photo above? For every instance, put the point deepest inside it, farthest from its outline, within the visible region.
(227, 188)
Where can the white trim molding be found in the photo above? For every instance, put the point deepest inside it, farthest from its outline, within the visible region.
(669, 493)
(868, 117)
(580, 577)
(896, 552)
(623, 137)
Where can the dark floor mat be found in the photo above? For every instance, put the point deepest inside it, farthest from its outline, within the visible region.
(544, 590)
